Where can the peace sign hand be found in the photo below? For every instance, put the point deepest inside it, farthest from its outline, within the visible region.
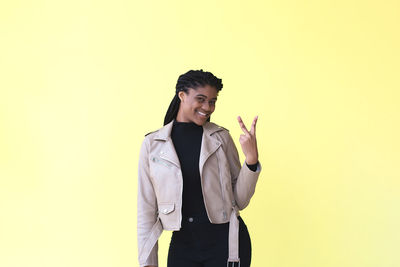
(248, 141)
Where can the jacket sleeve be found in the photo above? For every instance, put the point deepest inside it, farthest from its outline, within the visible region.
(146, 207)
(244, 180)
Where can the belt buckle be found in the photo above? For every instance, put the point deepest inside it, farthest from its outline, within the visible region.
(233, 263)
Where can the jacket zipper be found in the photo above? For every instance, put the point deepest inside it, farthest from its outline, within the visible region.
(222, 187)
(166, 159)
(204, 199)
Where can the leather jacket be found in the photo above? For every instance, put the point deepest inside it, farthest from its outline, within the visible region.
(227, 187)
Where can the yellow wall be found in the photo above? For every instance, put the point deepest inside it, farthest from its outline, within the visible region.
(81, 82)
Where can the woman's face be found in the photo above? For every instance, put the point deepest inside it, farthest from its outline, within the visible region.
(197, 105)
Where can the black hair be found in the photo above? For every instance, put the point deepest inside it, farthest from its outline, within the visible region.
(191, 79)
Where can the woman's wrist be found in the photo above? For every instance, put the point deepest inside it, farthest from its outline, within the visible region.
(251, 161)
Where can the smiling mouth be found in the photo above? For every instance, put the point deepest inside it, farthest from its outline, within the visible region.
(205, 115)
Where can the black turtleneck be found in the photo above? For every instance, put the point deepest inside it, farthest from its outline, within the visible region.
(187, 137)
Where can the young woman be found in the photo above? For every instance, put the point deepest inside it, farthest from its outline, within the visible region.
(192, 183)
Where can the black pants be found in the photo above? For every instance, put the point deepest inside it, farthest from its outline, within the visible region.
(200, 243)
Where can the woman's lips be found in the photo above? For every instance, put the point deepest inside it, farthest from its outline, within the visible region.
(205, 115)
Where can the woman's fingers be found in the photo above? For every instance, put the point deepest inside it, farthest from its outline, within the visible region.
(248, 143)
(244, 129)
(253, 125)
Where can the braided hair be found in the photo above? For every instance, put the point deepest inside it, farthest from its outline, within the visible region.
(191, 79)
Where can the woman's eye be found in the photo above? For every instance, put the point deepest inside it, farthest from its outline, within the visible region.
(200, 99)
(212, 103)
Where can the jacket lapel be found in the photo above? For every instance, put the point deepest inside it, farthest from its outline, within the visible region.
(209, 144)
(168, 151)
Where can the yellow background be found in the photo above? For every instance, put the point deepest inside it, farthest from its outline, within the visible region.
(81, 82)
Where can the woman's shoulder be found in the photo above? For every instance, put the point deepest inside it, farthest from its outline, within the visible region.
(219, 131)
(152, 132)
(161, 133)
(222, 134)
(216, 127)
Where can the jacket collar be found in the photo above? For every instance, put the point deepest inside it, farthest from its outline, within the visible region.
(209, 144)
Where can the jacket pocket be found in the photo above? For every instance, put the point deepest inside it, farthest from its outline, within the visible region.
(167, 215)
(166, 208)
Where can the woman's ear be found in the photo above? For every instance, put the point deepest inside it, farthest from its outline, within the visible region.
(181, 95)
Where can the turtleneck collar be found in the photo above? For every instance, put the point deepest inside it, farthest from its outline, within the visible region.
(164, 132)
(186, 124)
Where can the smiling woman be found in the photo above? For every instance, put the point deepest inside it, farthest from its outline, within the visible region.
(191, 182)
(197, 105)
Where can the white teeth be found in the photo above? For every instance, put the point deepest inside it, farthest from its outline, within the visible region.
(201, 113)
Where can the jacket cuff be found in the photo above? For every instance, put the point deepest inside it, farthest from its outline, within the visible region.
(252, 167)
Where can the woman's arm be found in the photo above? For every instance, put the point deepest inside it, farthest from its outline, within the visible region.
(146, 207)
(243, 179)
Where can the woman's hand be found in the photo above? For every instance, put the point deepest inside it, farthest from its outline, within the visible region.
(248, 141)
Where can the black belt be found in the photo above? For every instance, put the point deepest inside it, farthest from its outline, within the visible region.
(195, 219)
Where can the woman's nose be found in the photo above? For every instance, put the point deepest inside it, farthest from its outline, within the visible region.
(206, 106)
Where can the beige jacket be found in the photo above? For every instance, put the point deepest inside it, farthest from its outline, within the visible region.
(226, 185)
